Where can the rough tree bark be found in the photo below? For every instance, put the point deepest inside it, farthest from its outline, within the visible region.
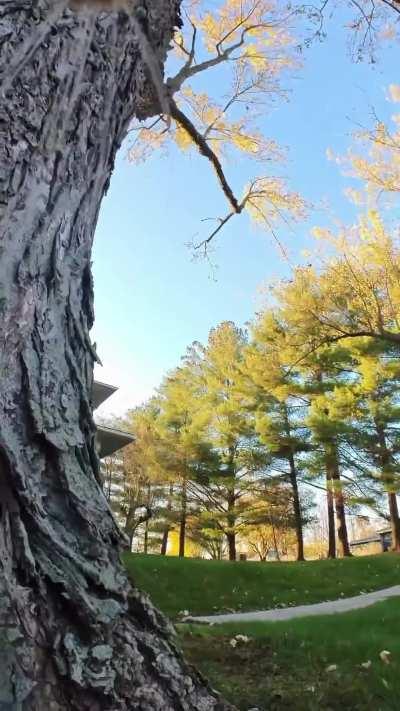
(337, 492)
(183, 517)
(165, 535)
(331, 516)
(73, 633)
(387, 477)
(298, 518)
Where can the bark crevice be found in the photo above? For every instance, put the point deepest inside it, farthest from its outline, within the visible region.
(74, 634)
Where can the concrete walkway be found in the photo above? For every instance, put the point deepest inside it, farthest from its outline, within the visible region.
(288, 613)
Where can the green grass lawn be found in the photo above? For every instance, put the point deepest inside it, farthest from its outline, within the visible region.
(205, 587)
(285, 664)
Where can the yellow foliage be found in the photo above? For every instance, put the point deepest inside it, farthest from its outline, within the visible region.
(249, 41)
(245, 143)
(377, 161)
(394, 92)
(182, 138)
(255, 55)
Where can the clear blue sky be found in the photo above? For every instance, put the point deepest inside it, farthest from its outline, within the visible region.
(151, 300)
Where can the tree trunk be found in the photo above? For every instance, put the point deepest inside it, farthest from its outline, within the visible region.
(337, 493)
(146, 537)
(182, 523)
(331, 516)
(164, 542)
(298, 519)
(275, 542)
(130, 536)
(231, 518)
(340, 510)
(74, 634)
(231, 538)
(387, 476)
(395, 521)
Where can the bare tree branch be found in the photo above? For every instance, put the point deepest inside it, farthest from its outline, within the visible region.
(175, 83)
(206, 151)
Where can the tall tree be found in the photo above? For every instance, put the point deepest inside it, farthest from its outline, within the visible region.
(231, 429)
(78, 635)
(379, 415)
(280, 412)
(353, 295)
(186, 454)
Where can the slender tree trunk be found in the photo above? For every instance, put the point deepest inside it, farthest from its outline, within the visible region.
(164, 542)
(331, 516)
(298, 519)
(182, 523)
(231, 518)
(231, 502)
(337, 492)
(387, 476)
(74, 633)
(108, 467)
(275, 542)
(395, 521)
(340, 510)
(146, 537)
(231, 538)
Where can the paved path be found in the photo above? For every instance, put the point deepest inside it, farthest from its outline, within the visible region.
(288, 613)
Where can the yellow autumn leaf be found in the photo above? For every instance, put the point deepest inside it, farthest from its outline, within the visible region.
(319, 232)
(355, 196)
(182, 138)
(245, 143)
(394, 92)
(210, 115)
(255, 56)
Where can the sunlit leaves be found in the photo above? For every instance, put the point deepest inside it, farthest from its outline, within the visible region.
(376, 158)
(268, 203)
(246, 48)
(394, 92)
(355, 291)
(182, 138)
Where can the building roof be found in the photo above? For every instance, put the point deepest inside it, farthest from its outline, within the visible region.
(110, 440)
(368, 539)
(373, 538)
(101, 392)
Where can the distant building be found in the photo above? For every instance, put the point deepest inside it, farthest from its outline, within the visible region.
(378, 542)
(109, 439)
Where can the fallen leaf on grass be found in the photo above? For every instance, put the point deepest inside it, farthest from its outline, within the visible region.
(385, 656)
(366, 665)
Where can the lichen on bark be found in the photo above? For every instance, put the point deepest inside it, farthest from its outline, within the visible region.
(74, 634)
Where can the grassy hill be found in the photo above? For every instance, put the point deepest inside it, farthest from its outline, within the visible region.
(204, 587)
(311, 664)
(330, 663)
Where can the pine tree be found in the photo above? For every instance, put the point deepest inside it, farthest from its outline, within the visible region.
(280, 411)
(230, 431)
(379, 414)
